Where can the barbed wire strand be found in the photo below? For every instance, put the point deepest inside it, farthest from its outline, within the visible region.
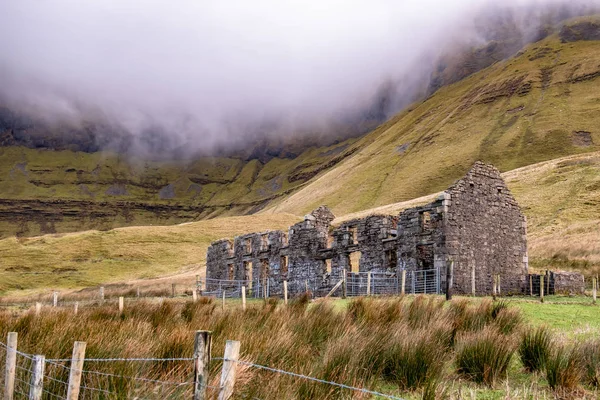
(310, 378)
(119, 359)
(263, 367)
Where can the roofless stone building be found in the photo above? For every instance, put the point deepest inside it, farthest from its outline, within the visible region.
(476, 224)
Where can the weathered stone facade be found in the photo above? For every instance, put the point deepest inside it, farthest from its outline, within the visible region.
(476, 225)
(568, 282)
(557, 282)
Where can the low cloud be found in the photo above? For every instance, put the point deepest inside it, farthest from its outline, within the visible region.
(216, 73)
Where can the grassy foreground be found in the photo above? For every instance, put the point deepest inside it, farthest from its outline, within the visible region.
(411, 347)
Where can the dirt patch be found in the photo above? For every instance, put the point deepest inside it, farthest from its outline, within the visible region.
(582, 139)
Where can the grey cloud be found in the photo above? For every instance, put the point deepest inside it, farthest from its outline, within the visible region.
(215, 72)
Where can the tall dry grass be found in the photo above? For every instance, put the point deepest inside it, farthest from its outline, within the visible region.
(394, 345)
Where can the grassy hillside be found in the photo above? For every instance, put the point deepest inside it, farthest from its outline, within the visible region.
(539, 105)
(561, 199)
(45, 191)
(83, 259)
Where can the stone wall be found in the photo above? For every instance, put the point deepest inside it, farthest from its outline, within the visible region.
(306, 240)
(421, 241)
(476, 224)
(568, 282)
(486, 232)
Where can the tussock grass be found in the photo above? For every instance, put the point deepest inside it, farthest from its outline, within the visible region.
(394, 345)
(534, 348)
(484, 357)
(590, 359)
(564, 369)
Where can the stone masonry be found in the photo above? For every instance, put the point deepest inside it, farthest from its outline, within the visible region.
(476, 226)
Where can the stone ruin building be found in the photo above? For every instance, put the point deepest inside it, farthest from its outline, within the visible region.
(475, 225)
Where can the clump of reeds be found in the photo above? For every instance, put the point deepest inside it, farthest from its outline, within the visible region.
(590, 360)
(402, 343)
(534, 348)
(563, 368)
(484, 357)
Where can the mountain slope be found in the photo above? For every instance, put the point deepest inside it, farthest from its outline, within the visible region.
(561, 199)
(539, 105)
(49, 191)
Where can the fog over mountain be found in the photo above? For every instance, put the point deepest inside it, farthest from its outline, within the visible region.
(206, 75)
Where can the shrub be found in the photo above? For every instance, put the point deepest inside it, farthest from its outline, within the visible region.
(563, 369)
(590, 359)
(484, 357)
(422, 310)
(191, 310)
(468, 318)
(412, 359)
(508, 320)
(535, 348)
(359, 309)
(497, 307)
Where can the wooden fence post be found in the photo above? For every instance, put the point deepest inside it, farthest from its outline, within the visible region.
(232, 353)
(102, 294)
(594, 289)
(264, 288)
(531, 285)
(449, 279)
(11, 365)
(369, 283)
(473, 281)
(494, 283)
(202, 346)
(223, 304)
(76, 308)
(121, 304)
(541, 288)
(38, 308)
(244, 298)
(285, 293)
(195, 294)
(344, 284)
(54, 299)
(403, 288)
(499, 292)
(76, 370)
(138, 292)
(37, 378)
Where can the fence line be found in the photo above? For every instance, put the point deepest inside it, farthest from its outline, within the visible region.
(310, 378)
(55, 385)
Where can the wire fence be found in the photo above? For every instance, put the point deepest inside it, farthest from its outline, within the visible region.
(231, 288)
(140, 378)
(357, 284)
(388, 284)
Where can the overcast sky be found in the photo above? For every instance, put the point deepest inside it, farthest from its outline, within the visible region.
(208, 69)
